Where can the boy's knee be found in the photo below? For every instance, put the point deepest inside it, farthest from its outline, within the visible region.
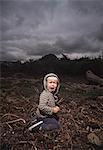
(50, 124)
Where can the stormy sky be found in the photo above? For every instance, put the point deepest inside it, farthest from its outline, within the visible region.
(33, 28)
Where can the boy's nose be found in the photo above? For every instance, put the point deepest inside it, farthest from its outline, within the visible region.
(52, 84)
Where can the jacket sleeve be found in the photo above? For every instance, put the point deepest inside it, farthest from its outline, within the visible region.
(43, 105)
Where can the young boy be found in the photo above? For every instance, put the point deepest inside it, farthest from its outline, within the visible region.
(47, 108)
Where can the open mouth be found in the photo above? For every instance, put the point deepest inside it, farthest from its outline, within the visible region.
(52, 88)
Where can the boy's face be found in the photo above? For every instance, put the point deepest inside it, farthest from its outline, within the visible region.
(52, 83)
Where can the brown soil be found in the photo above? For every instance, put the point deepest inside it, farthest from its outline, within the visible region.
(81, 114)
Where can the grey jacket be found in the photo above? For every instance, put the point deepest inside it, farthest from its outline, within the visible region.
(47, 99)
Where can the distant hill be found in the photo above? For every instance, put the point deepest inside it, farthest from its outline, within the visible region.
(49, 58)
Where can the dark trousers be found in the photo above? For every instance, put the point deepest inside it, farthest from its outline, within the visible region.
(49, 123)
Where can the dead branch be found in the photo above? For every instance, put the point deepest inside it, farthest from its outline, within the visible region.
(91, 77)
(27, 142)
(13, 121)
(99, 109)
(19, 108)
(8, 114)
(10, 127)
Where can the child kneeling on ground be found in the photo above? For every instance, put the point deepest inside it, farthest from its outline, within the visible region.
(47, 109)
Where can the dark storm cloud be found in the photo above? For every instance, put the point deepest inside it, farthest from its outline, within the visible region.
(38, 27)
(99, 33)
(48, 48)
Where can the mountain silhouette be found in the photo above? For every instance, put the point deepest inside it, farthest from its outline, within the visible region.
(49, 58)
(51, 63)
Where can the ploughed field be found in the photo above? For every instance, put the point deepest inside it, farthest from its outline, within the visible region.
(80, 118)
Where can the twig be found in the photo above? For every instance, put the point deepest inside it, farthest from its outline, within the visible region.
(20, 119)
(71, 117)
(71, 145)
(8, 114)
(99, 109)
(60, 101)
(10, 127)
(19, 108)
(27, 142)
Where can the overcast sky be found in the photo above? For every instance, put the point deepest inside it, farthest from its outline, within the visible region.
(33, 28)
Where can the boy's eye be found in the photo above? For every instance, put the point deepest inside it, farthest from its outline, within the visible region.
(53, 82)
(50, 82)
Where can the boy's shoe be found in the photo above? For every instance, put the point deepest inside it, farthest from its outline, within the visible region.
(36, 125)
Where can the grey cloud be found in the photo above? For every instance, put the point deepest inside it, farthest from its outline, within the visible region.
(99, 34)
(43, 48)
(83, 7)
(43, 26)
(5, 55)
(80, 45)
(24, 12)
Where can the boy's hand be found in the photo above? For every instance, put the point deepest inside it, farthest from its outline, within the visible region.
(56, 109)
